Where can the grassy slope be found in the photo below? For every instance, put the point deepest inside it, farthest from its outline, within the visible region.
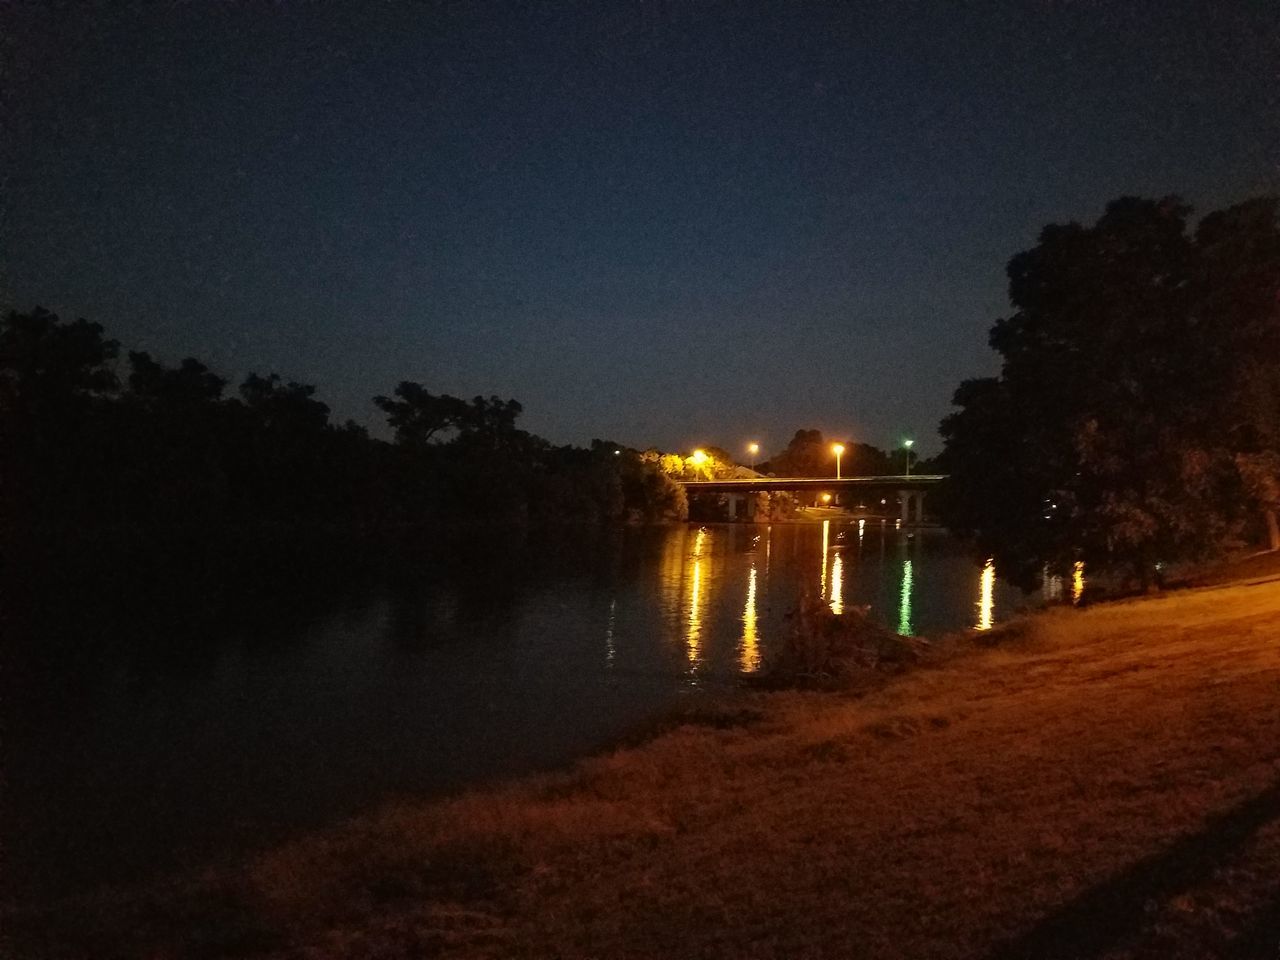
(1104, 784)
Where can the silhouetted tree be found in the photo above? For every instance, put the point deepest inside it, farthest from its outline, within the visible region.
(806, 455)
(865, 460)
(54, 379)
(1238, 308)
(172, 453)
(419, 417)
(190, 383)
(809, 454)
(1115, 430)
(283, 408)
(47, 366)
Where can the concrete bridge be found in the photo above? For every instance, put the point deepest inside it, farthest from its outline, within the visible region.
(909, 491)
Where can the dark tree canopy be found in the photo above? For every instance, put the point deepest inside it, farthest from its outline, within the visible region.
(171, 452)
(192, 382)
(44, 361)
(419, 417)
(809, 454)
(1137, 393)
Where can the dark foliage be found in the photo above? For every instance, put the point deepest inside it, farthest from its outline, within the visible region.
(168, 449)
(824, 648)
(808, 454)
(1134, 422)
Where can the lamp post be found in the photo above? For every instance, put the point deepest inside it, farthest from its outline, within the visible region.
(838, 449)
(754, 450)
(907, 445)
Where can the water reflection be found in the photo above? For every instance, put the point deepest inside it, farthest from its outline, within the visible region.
(610, 652)
(837, 584)
(986, 591)
(693, 636)
(826, 537)
(749, 659)
(904, 600)
(1053, 587)
(1050, 586)
(480, 692)
(672, 575)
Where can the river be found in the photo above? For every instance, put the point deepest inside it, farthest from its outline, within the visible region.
(149, 750)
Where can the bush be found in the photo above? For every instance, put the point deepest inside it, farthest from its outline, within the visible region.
(825, 648)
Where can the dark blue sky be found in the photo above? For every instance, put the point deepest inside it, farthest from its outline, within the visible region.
(664, 223)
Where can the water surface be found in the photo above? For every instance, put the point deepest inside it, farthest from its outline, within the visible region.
(148, 740)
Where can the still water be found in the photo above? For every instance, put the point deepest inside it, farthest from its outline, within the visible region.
(147, 750)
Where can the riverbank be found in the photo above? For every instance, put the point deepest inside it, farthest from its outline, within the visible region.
(1098, 783)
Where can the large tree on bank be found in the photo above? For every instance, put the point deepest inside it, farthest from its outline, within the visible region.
(1134, 420)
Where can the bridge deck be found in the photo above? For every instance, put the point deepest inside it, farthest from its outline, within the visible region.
(756, 484)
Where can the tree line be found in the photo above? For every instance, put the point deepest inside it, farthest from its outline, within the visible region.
(91, 439)
(1135, 421)
(809, 454)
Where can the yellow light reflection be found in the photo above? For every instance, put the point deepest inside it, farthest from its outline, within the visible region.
(986, 586)
(672, 577)
(904, 601)
(750, 657)
(1077, 581)
(693, 636)
(837, 584)
(822, 581)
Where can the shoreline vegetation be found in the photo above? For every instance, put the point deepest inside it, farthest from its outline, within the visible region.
(1100, 782)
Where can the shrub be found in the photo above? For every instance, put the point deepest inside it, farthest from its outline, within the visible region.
(825, 648)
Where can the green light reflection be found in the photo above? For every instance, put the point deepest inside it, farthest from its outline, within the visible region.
(904, 602)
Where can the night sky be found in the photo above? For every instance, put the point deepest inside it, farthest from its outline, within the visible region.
(666, 223)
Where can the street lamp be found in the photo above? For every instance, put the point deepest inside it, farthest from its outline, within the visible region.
(908, 444)
(699, 459)
(838, 449)
(754, 450)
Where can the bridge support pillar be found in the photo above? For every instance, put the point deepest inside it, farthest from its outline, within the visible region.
(912, 506)
(741, 506)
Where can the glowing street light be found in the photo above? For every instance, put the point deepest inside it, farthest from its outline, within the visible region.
(700, 459)
(754, 450)
(908, 444)
(838, 449)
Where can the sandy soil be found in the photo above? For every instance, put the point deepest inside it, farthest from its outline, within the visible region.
(1099, 783)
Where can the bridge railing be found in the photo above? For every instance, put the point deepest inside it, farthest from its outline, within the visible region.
(915, 480)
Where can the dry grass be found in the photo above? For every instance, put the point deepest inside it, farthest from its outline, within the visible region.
(1102, 783)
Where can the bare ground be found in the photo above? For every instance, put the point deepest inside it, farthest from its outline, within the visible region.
(1102, 783)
